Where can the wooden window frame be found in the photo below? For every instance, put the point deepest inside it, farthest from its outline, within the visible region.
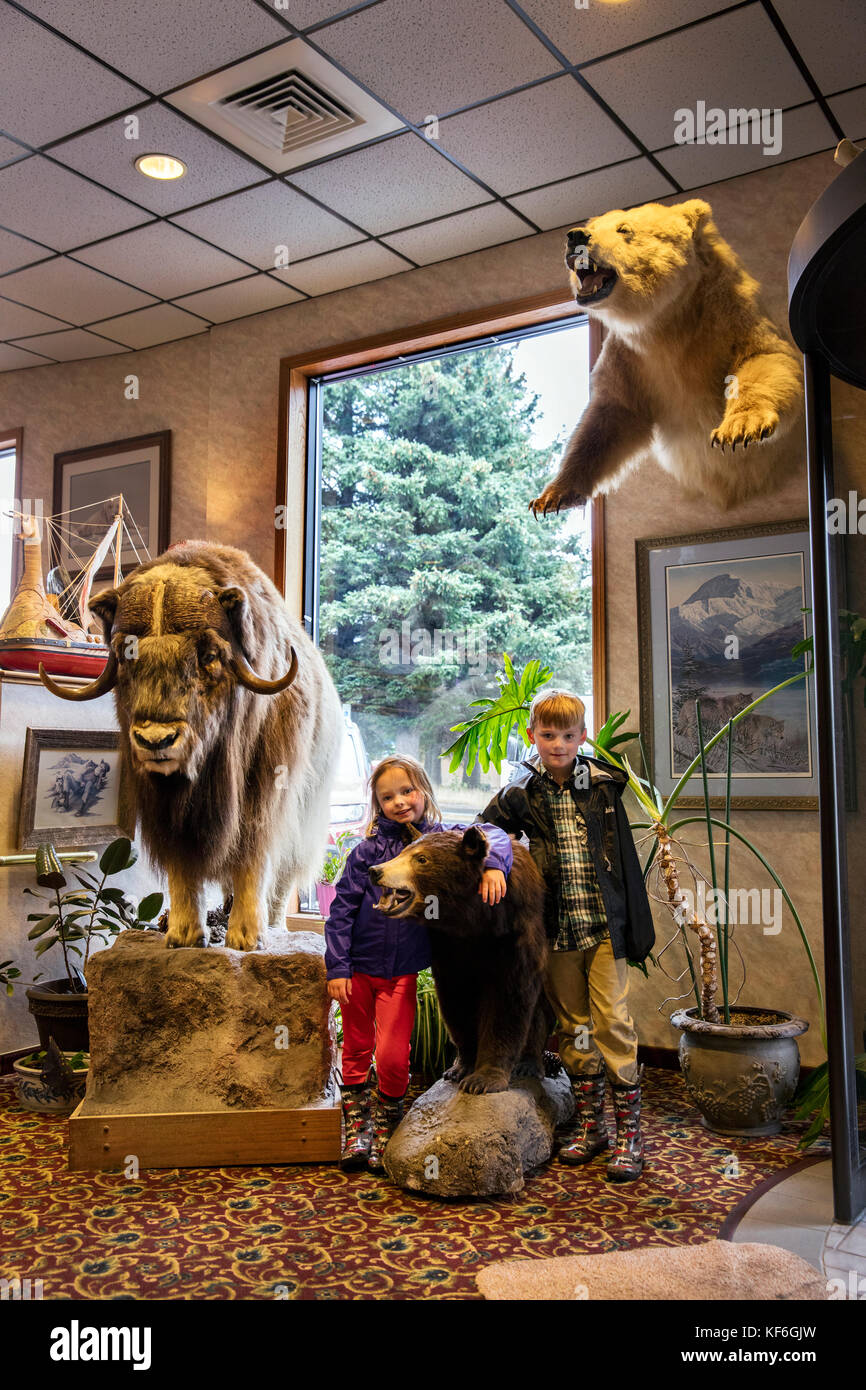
(15, 439)
(295, 374)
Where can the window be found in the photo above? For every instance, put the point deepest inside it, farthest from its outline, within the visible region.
(10, 458)
(423, 562)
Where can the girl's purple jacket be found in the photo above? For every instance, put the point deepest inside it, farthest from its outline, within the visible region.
(358, 937)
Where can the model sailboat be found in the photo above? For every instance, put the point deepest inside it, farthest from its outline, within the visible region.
(56, 628)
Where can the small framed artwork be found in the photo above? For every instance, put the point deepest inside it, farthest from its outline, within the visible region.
(73, 791)
(87, 485)
(718, 615)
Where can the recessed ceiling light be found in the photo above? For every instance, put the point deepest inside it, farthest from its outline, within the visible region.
(160, 166)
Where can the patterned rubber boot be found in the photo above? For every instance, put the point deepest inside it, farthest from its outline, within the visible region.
(626, 1161)
(356, 1119)
(588, 1133)
(387, 1114)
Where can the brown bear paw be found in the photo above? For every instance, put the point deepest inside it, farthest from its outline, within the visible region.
(746, 426)
(485, 1080)
(554, 496)
(529, 1066)
(455, 1072)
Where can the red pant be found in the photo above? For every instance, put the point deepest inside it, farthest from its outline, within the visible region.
(379, 1014)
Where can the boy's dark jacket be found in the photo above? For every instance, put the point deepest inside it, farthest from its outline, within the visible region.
(523, 808)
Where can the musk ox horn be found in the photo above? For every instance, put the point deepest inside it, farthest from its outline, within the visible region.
(247, 676)
(105, 681)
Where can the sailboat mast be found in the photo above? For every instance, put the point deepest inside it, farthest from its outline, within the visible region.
(118, 540)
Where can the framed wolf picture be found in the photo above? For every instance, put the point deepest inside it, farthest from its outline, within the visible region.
(719, 614)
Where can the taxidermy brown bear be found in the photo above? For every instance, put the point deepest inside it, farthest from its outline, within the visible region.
(691, 369)
(487, 959)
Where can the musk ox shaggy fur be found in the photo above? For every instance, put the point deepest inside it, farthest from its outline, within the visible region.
(230, 732)
(488, 959)
(692, 370)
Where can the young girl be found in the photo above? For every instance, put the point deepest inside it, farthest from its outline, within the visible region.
(373, 961)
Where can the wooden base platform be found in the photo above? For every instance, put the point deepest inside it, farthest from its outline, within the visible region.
(204, 1139)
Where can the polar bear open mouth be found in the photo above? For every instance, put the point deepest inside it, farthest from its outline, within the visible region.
(594, 281)
(397, 902)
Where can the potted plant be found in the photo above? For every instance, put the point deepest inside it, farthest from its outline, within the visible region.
(329, 874)
(51, 1082)
(740, 1064)
(72, 920)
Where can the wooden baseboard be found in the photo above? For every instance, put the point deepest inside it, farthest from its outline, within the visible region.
(204, 1139)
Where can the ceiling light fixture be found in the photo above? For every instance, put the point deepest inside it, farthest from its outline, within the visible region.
(160, 166)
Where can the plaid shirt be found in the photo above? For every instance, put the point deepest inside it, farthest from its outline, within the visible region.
(582, 916)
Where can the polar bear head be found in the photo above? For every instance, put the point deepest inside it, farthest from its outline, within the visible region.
(629, 267)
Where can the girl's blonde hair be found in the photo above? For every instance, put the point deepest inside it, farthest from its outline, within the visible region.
(417, 778)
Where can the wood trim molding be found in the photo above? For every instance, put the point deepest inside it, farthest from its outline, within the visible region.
(15, 437)
(599, 618)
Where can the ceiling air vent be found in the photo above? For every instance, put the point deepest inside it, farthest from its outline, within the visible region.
(285, 107)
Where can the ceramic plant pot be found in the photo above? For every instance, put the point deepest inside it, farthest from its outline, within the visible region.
(34, 1093)
(60, 1014)
(325, 894)
(741, 1076)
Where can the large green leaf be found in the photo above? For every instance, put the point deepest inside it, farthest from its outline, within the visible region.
(119, 855)
(42, 926)
(484, 739)
(149, 907)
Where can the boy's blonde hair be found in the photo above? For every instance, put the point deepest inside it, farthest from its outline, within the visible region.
(556, 708)
(417, 778)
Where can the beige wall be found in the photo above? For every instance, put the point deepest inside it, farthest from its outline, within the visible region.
(218, 394)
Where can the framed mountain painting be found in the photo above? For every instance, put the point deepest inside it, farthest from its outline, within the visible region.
(718, 616)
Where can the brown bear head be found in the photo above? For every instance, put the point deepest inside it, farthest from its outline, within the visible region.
(628, 267)
(435, 878)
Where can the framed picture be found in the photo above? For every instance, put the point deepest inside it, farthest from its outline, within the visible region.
(73, 790)
(718, 615)
(87, 484)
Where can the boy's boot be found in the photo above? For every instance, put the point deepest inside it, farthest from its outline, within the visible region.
(587, 1134)
(626, 1161)
(387, 1114)
(357, 1102)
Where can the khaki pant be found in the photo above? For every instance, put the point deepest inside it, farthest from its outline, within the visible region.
(588, 992)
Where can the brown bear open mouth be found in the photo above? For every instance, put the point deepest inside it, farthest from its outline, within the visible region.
(594, 281)
(395, 901)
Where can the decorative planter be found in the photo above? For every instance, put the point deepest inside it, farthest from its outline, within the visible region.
(60, 1014)
(34, 1093)
(325, 894)
(740, 1076)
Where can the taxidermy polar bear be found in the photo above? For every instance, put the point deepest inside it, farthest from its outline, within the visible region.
(691, 365)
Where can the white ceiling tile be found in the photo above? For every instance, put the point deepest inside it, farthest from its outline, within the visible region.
(255, 223)
(49, 88)
(33, 192)
(456, 236)
(803, 131)
(160, 324)
(163, 260)
(428, 59)
(593, 29)
(72, 291)
(16, 251)
(303, 13)
(339, 269)
(737, 60)
(831, 37)
(16, 320)
(255, 295)
(108, 156)
(391, 185)
(850, 112)
(10, 149)
(161, 43)
(623, 186)
(70, 346)
(552, 131)
(11, 358)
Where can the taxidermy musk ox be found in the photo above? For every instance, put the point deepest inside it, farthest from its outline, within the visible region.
(692, 371)
(488, 959)
(230, 732)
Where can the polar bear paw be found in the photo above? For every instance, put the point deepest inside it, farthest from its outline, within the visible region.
(749, 425)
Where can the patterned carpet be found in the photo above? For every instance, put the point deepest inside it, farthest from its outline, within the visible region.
(313, 1232)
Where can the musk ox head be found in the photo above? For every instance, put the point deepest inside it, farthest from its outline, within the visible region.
(445, 865)
(176, 656)
(630, 266)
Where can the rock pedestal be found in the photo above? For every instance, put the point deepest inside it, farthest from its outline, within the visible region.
(176, 1030)
(451, 1144)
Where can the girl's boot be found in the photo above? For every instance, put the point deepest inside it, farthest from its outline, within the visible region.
(587, 1135)
(626, 1161)
(357, 1120)
(387, 1114)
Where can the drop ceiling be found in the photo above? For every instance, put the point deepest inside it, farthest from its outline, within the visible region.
(474, 124)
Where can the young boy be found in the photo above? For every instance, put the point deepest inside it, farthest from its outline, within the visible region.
(597, 916)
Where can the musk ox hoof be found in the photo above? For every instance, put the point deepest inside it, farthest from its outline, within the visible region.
(190, 935)
(485, 1080)
(241, 938)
